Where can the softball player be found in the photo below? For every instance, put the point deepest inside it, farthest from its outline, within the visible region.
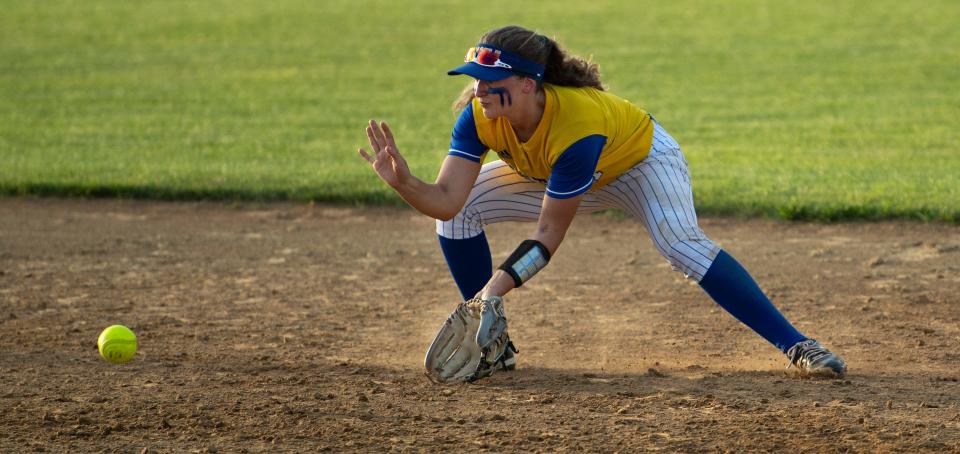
(566, 147)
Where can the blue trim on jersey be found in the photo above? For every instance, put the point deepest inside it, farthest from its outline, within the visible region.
(573, 172)
(464, 141)
(474, 158)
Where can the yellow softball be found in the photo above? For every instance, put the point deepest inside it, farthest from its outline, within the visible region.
(117, 344)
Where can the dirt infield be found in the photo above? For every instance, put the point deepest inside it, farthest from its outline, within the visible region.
(302, 328)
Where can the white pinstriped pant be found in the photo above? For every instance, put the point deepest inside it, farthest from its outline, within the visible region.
(656, 192)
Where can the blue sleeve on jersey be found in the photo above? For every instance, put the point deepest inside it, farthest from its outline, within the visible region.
(572, 174)
(465, 142)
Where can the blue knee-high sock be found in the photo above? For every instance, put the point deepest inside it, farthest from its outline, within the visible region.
(731, 286)
(469, 262)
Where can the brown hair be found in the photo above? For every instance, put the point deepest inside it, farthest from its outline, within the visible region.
(559, 67)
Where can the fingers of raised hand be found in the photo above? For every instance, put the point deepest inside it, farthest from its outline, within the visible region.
(388, 135)
(375, 143)
(392, 151)
(399, 165)
(364, 155)
(377, 133)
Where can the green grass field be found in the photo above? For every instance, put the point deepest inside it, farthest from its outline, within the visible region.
(838, 110)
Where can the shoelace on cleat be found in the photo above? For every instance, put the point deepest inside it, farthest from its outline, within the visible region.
(805, 353)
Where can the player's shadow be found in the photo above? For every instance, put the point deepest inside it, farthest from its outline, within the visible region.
(574, 380)
(683, 386)
(739, 387)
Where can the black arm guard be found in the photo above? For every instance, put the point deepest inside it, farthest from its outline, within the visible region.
(528, 259)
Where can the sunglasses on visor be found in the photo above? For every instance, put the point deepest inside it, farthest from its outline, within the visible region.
(492, 57)
(487, 57)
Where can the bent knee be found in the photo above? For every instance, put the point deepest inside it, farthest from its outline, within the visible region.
(692, 257)
(460, 226)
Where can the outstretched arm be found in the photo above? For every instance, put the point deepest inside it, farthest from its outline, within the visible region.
(555, 218)
(442, 199)
(572, 175)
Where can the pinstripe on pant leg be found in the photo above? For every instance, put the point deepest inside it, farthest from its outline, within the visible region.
(500, 194)
(657, 192)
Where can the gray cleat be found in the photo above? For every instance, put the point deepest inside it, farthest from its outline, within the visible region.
(811, 358)
(509, 359)
(507, 362)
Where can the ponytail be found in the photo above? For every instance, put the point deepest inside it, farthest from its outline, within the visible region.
(570, 71)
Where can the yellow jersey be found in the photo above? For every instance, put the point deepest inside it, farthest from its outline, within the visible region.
(586, 138)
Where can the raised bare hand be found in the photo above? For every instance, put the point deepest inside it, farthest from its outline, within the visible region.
(385, 158)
